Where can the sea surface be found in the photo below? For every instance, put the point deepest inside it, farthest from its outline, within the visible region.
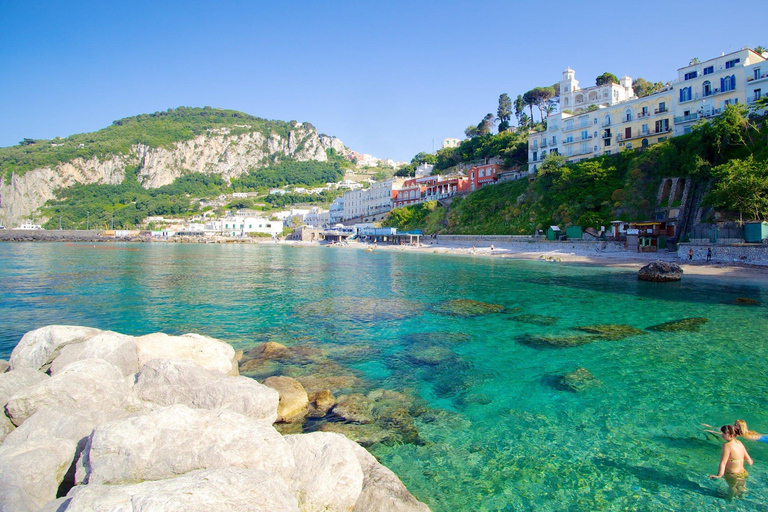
(496, 429)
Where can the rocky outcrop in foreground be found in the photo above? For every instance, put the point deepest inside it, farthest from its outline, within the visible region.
(95, 420)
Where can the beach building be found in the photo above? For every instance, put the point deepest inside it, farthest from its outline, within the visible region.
(703, 89)
(244, 225)
(374, 200)
(336, 210)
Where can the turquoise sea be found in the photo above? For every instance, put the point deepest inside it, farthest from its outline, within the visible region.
(496, 429)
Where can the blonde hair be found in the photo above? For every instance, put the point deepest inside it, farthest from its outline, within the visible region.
(741, 428)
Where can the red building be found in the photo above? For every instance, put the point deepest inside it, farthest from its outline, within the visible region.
(482, 175)
(428, 188)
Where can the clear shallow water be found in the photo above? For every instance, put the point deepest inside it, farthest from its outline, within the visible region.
(501, 434)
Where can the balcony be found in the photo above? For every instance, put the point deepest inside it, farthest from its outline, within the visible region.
(544, 143)
(660, 111)
(758, 78)
(643, 114)
(713, 92)
(687, 118)
(606, 136)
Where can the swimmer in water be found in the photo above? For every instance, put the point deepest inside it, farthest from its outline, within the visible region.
(732, 458)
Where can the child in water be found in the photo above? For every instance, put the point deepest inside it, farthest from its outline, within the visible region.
(732, 457)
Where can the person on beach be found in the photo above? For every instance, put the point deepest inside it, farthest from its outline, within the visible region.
(690, 253)
(709, 254)
(732, 457)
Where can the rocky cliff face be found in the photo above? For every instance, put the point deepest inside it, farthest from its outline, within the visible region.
(218, 152)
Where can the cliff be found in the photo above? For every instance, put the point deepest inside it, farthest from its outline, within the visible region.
(229, 151)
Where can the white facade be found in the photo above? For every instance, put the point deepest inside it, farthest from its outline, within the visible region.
(703, 89)
(450, 143)
(424, 170)
(370, 201)
(757, 81)
(336, 210)
(577, 100)
(242, 226)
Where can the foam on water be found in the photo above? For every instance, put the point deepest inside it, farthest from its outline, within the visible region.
(501, 432)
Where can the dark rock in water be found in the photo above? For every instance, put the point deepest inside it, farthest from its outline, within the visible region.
(611, 332)
(466, 308)
(660, 272)
(535, 319)
(366, 435)
(743, 301)
(320, 402)
(359, 309)
(574, 340)
(432, 355)
(354, 408)
(437, 338)
(579, 380)
(474, 399)
(686, 324)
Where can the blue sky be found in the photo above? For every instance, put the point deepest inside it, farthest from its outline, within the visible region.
(389, 78)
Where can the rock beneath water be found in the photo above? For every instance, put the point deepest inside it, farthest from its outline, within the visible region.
(176, 440)
(4, 365)
(744, 301)
(436, 338)
(294, 402)
(320, 403)
(269, 350)
(355, 407)
(209, 353)
(334, 383)
(382, 489)
(430, 355)
(686, 324)
(535, 319)
(36, 348)
(359, 309)
(85, 384)
(367, 434)
(219, 490)
(579, 380)
(32, 472)
(475, 399)
(660, 272)
(118, 349)
(328, 476)
(183, 382)
(611, 332)
(566, 341)
(466, 308)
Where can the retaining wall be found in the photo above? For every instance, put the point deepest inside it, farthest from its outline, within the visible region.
(752, 254)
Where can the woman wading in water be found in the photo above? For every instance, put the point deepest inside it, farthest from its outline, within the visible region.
(732, 459)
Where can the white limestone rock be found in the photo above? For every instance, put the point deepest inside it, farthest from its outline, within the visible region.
(30, 473)
(382, 489)
(166, 383)
(11, 383)
(85, 384)
(208, 490)
(328, 476)
(176, 440)
(57, 505)
(115, 348)
(4, 365)
(209, 353)
(294, 403)
(38, 347)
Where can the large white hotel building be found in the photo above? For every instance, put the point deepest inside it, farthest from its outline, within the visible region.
(610, 118)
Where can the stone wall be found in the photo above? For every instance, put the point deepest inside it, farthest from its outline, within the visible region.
(752, 254)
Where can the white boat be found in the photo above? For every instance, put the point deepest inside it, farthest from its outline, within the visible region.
(28, 225)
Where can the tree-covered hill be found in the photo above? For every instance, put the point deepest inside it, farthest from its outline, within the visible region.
(728, 157)
(161, 129)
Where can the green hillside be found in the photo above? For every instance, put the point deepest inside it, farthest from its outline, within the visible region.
(161, 129)
(729, 154)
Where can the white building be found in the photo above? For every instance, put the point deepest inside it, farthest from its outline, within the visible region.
(577, 100)
(242, 226)
(424, 170)
(450, 143)
(703, 89)
(374, 200)
(336, 210)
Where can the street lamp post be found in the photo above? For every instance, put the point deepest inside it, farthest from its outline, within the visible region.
(87, 220)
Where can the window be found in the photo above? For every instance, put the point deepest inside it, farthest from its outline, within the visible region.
(554, 140)
(691, 75)
(569, 139)
(627, 133)
(709, 70)
(662, 106)
(607, 120)
(606, 142)
(595, 121)
(706, 88)
(662, 125)
(584, 135)
(685, 94)
(645, 129)
(644, 112)
(569, 125)
(732, 63)
(758, 94)
(756, 73)
(481, 173)
(728, 83)
(627, 115)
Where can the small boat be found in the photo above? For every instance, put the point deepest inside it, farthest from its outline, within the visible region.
(29, 226)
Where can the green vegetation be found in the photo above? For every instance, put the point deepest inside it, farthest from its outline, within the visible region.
(512, 147)
(292, 172)
(282, 200)
(161, 129)
(606, 78)
(730, 153)
(126, 205)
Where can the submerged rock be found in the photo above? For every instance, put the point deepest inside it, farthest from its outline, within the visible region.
(320, 402)
(612, 332)
(579, 380)
(436, 338)
(686, 324)
(360, 309)
(367, 434)
(744, 301)
(660, 272)
(431, 355)
(466, 308)
(549, 341)
(535, 319)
